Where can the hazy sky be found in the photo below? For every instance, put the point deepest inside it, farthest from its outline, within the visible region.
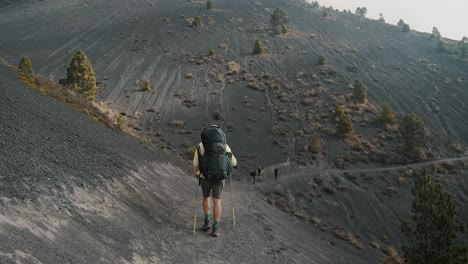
(449, 16)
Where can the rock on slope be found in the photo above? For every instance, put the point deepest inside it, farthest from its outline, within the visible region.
(74, 191)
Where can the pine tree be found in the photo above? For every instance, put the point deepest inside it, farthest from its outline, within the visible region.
(401, 22)
(435, 34)
(284, 29)
(344, 124)
(429, 240)
(360, 91)
(279, 17)
(315, 4)
(414, 134)
(258, 49)
(25, 65)
(81, 77)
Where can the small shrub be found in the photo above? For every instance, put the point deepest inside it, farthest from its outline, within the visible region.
(25, 65)
(209, 5)
(323, 60)
(315, 145)
(401, 22)
(147, 86)
(258, 49)
(315, 4)
(121, 121)
(381, 18)
(360, 91)
(212, 53)
(386, 116)
(197, 22)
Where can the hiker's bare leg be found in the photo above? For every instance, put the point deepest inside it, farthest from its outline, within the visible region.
(217, 209)
(206, 205)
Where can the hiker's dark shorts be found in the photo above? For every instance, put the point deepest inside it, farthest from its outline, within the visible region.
(214, 189)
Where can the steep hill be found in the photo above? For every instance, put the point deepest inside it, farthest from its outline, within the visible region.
(129, 42)
(342, 205)
(74, 191)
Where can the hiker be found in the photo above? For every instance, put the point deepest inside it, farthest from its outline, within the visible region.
(213, 162)
(259, 174)
(253, 174)
(276, 174)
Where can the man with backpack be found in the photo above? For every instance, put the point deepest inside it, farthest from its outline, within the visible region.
(213, 162)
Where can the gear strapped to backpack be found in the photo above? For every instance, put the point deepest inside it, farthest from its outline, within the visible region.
(215, 163)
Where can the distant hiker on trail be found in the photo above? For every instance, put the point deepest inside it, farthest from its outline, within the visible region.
(276, 174)
(213, 162)
(253, 174)
(259, 174)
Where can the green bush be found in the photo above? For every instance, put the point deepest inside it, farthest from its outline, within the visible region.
(147, 86)
(401, 22)
(279, 17)
(315, 4)
(25, 65)
(414, 135)
(212, 52)
(80, 76)
(386, 116)
(429, 240)
(209, 5)
(197, 22)
(323, 60)
(258, 49)
(360, 91)
(344, 123)
(315, 145)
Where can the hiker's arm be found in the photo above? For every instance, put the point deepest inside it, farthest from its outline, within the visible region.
(196, 168)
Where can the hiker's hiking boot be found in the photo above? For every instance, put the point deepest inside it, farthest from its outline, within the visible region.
(206, 226)
(215, 232)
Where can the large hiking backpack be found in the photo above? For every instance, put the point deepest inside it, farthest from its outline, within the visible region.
(215, 164)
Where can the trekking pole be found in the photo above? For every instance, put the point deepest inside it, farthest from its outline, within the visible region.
(232, 203)
(196, 205)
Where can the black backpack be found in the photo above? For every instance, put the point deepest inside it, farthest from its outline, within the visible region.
(215, 164)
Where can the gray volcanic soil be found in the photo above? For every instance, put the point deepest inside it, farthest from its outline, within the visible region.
(74, 191)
